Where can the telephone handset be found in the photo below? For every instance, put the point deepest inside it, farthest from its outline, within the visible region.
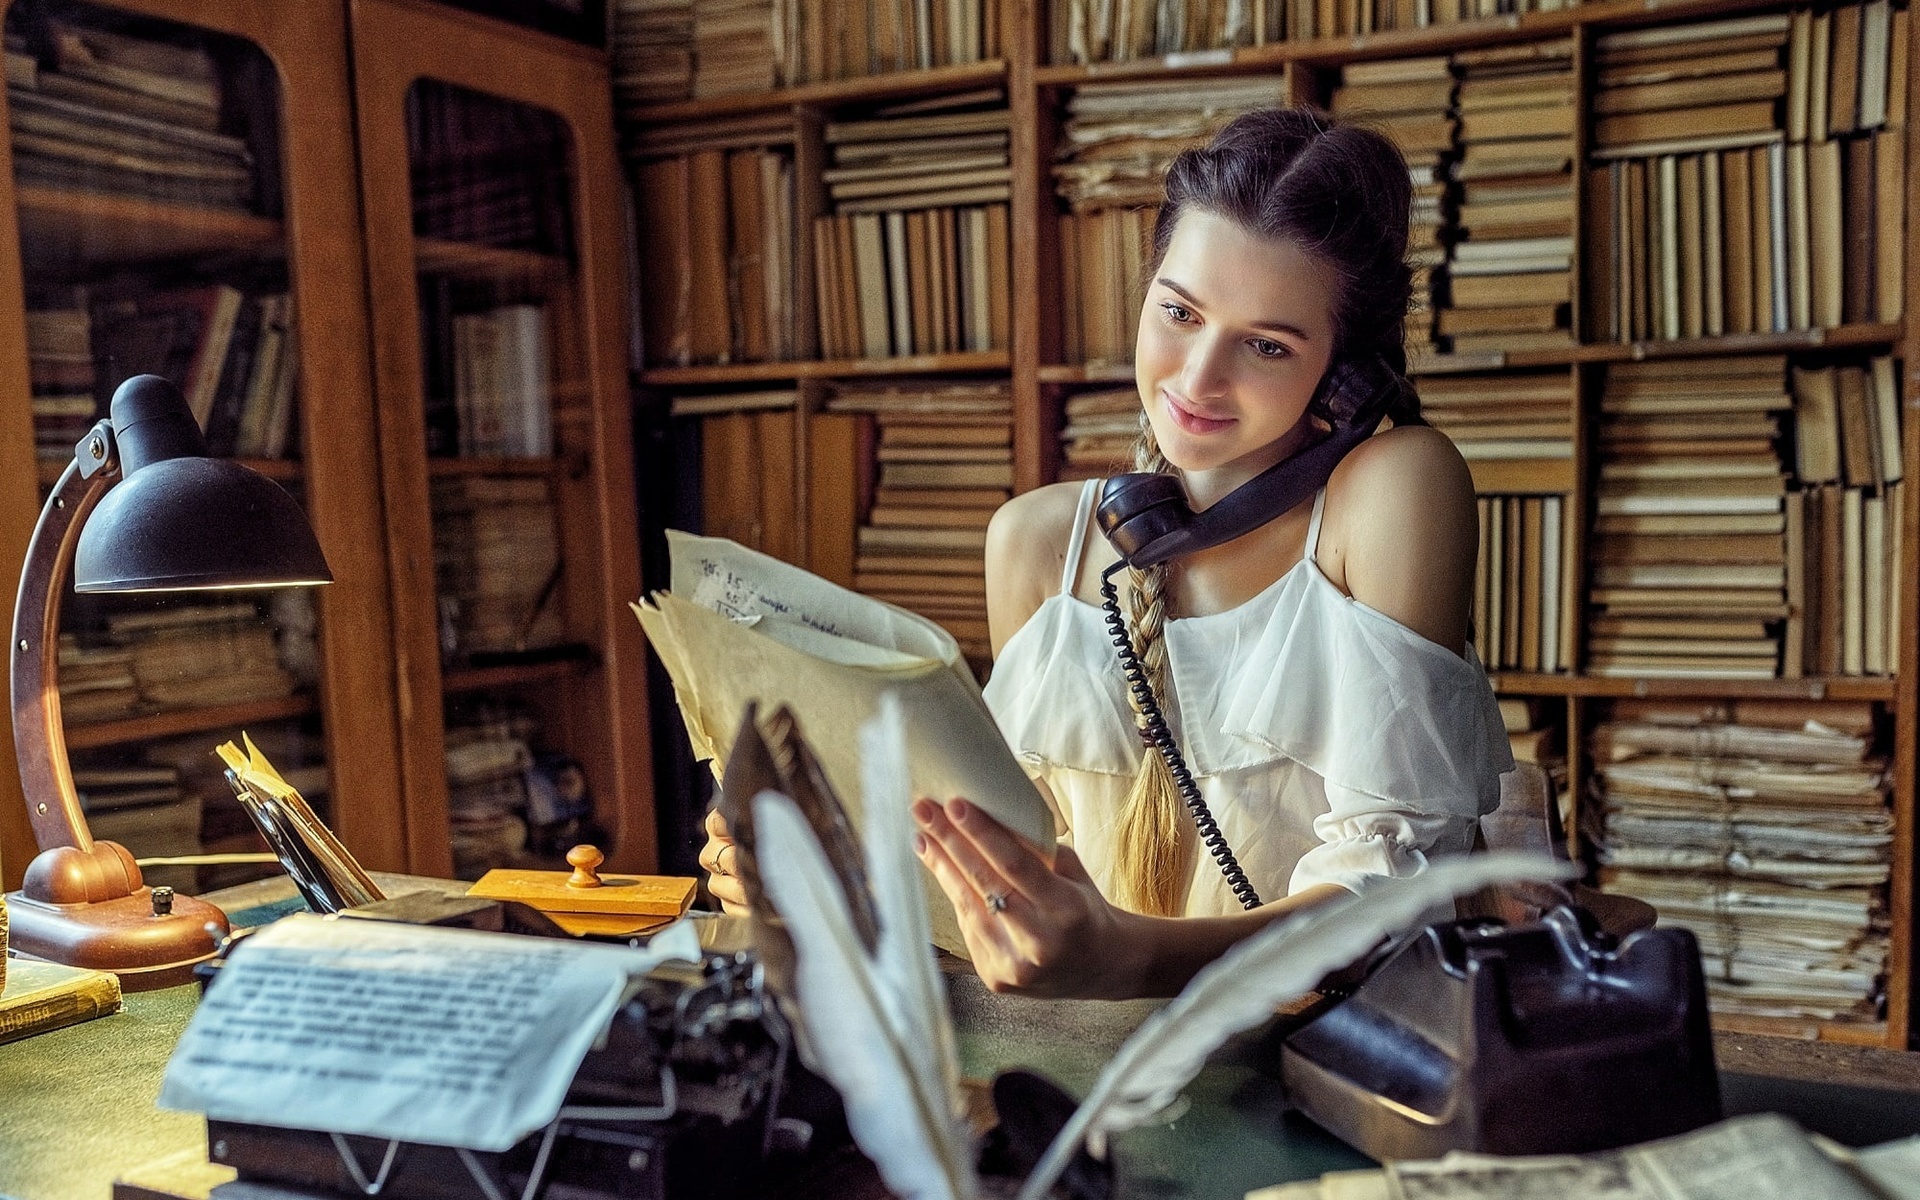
(1146, 516)
(1147, 519)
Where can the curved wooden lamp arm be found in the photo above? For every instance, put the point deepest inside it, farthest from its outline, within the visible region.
(39, 737)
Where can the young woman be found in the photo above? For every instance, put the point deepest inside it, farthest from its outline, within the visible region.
(1314, 672)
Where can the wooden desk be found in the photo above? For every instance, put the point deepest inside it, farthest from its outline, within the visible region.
(76, 1105)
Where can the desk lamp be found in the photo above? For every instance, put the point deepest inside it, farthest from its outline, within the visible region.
(177, 521)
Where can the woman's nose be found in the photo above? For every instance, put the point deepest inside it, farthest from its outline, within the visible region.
(1204, 372)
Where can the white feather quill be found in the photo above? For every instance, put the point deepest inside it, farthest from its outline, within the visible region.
(1243, 986)
(904, 957)
(849, 1005)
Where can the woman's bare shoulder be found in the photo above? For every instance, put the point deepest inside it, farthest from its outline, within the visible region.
(1401, 512)
(1026, 553)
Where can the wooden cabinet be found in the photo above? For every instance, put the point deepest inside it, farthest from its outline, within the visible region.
(593, 704)
(315, 238)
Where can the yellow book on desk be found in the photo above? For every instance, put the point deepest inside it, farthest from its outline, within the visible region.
(39, 996)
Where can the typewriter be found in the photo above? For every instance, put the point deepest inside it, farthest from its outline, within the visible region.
(695, 1090)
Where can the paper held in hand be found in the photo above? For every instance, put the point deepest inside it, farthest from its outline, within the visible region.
(740, 626)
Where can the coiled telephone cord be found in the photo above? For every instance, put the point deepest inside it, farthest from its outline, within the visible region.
(1162, 739)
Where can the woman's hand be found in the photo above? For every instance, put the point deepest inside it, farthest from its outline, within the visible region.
(1032, 929)
(717, 859)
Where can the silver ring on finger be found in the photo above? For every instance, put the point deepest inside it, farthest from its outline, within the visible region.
(996, 902)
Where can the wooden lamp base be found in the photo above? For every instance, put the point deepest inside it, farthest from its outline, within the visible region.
(90, 908)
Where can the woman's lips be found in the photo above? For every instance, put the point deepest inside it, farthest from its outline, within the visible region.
(1189, 420)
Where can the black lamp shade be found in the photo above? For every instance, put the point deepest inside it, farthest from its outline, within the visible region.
(182, 521)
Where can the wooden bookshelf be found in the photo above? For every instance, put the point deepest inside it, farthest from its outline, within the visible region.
(844, 368)
(63, 236)
(220, 720)
(66, 225)
(594, 710)
(1042, 377)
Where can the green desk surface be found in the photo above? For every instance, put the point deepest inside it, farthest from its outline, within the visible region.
(77, 1111)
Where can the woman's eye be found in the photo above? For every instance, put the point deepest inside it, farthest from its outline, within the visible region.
(1179, 314)
(1266, 348)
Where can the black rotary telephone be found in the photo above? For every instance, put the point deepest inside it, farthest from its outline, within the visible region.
(1147, 519)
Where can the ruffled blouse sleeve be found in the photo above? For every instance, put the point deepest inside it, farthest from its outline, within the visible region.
(1405, 734)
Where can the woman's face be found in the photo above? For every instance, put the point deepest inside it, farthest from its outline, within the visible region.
(1236, 331)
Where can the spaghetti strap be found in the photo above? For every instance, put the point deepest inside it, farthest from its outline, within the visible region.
(1077, 544)
(1313, 526)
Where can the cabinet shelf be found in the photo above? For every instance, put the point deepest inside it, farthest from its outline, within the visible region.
(476, 679)
(496, 466)
(1434, 39)
(773, 372)
(1833, 687)
(471, 262)
(191, 720)
(66, 226)
(895, 85)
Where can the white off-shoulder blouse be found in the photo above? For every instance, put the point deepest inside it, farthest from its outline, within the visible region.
(1332, 743)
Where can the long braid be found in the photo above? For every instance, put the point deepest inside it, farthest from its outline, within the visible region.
(1151, 844)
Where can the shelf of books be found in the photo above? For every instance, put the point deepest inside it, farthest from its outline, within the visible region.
(1661, 307)
(493, 229)
(147, 212)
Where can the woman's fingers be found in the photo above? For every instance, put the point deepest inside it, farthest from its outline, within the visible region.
(1000, 849)
(717, 825)
(981, 873)
(718, 855)
(730, 892)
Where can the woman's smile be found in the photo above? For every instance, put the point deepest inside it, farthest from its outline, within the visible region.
(1190, 419)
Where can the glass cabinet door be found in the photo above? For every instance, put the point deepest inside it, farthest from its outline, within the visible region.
(178, 202)
(496, 246)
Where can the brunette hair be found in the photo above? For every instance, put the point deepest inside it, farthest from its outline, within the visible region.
(1341, 193)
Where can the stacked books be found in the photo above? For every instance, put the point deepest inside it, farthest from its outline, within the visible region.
(1119, 137)
(841, 39)
(96, 682)
(1099, 433)
(651, 45)
(497, 562)
(488, 171)
(1673, 89)
(1521, 621)
(60, 371)
(232, 355)
(1689, 567)
(1513, 254)
(915, 257)
(718, 288)
(1535, 739)
(945, 462)
(1117, 143)
(488, 756)
(1843, 562)
(501, 391)
(1764, 830)
(748, 467)
(1748, 174)
(1094, 31)
(111, 112)
(1411, 100)
(201, 655)
(1502, 417)
(733, 47)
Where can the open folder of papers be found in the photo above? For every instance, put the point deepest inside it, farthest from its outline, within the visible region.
(738, 627)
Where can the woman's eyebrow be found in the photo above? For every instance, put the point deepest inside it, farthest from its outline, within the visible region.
(1275, 326)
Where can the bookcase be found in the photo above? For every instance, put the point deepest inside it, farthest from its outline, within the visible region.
(380, 247)
(1647, 307)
